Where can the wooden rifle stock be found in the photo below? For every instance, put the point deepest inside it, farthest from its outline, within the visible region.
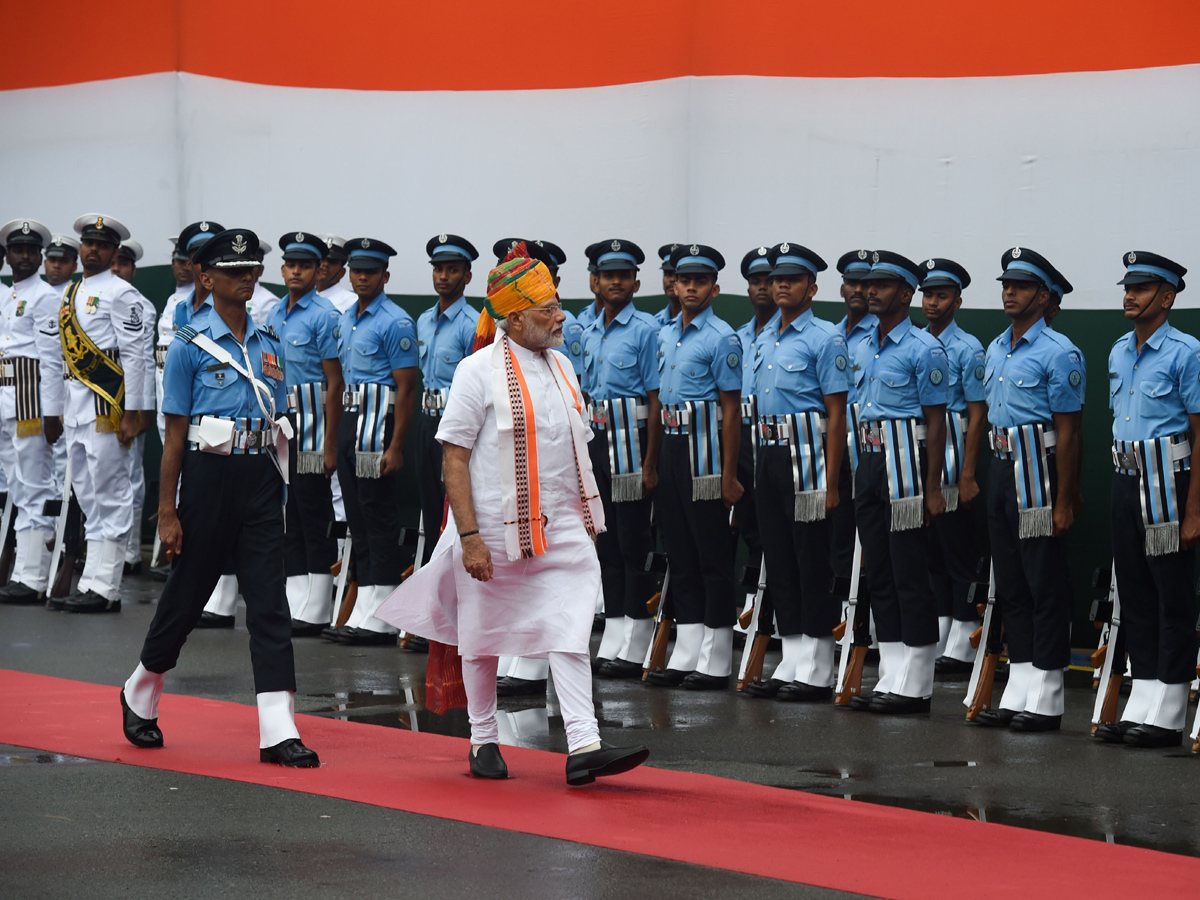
(652, 603)
(1098, 656)
(347, 604)
(839, 631)
(746, 618)
(658, 649)
(976, 637)
(853, 687)
(758, 653)
(983, 690)
(1112, 695)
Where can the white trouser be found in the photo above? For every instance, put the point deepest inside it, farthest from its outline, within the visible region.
(223, 600)
(1017, 689)
(104, 568)
(59, 454)
(100, 474)
(814, 660)
(572, 685)
(1045, 696)
(638, 635)
(613, 638)
(317, 608)
(716, 652)
(32, 567)
(160, 418)
(1137, 707)
(915, 678)
(786, 670)
(369, 599)
(137, 478)
(28, 464)
(891, 664)
(685, 655)
(958, 641)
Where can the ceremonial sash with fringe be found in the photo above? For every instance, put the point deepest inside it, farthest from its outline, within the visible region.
(1029, 448)
(307, 402)
(623, 434)
(900, 442)
(374, 405)
(801, 433)
(520, 489)
(96, 368)
(700, 420)
(1155, 463)
(22, 374)
(956, 443)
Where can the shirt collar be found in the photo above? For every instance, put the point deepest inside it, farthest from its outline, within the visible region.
(455, 310)
(801, 321)
(903, 327)
(1032, 334)
(1155, 340)
(947, 333)
(700, 321)
(622, 317)
(372, 307)
(34, 277)
(304, 301)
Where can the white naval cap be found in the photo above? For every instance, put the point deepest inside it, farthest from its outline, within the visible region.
(96, 227)
(62, 245)
(264, 246)
(131, 249)
(24, 231)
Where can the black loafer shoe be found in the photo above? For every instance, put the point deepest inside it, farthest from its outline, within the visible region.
(1153, 736)
(799, 692)
(1028, 721)
(666, 678)
(308, 629)
(160, 573)
(860, 702)
(699, 682)
(763, 690)
(333, 633)
(896, 705)
(487, 761)
(365, 637)
(414, 644)
(16, 593)
(138, 731)
(212, 620)
(1113, 734)
(948, 665)
(290, 753)
(91, 602)
(995, 718)
(620, 668)
(584, 768)
(57, 603)
(520, 687)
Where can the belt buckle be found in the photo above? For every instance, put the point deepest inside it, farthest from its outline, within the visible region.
(1127, 461)
(769, 432)
(599, 416)
(251, 440)
(671, 419)
(1000, 440)
(871, 437)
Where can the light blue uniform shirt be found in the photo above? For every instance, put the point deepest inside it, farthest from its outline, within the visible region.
(444, 339)
(852, 339)
(1030, 382)
(370, 346)
(196, 384)
(621, 359)
(663, 316)
(697, 362)
(572, 347)
(1151, 393)
(795, 369)
(185, 315)
(750, 352)
(965, 357)
(588, 315)
(1070, 345)
(306, 332)
(908, 372)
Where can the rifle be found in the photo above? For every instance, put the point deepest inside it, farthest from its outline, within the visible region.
(755, 649)
(854, 652)
(8, 552)
(341, 571)
(60, 508)
(987, 640)
(410, 538)
(656, 653)
(1100, 615)
(1111, 659)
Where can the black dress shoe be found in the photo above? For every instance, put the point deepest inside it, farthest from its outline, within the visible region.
(799, 692)
(666, 678)
(697, 681)
(290, 753)
(995, 718)
(91, 602)
(860, 702)
(133, 568)
(948, 665)
(308, 629)
(57, 603)
(1029, 721)
(160, 573)
(212, 620)
(897, 705)
(1113, 734)
(365, 637)
(334, 633)
(584, 768)
(620, 668)
(486, 762)
(414, 644)
(763, 690)
(16, 593)
(1153, 736)
(138, 731)
(520, 687)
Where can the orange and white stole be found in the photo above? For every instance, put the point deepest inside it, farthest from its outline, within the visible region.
(520, 489)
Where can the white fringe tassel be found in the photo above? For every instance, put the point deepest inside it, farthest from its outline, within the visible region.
(627, 488)
(908, 513)
(310, 462)
(706, 487)
(367, 465)
(1036, 522)
(1162, 539)
(950, 492)
(810, 506)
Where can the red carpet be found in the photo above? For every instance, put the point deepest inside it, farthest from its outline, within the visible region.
(673, 815)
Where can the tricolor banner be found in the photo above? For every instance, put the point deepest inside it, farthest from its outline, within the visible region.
(927, 126)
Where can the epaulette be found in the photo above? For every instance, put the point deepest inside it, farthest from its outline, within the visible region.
(270, 330)
(186, 334)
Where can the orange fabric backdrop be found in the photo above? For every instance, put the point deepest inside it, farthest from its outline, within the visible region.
(472, 45)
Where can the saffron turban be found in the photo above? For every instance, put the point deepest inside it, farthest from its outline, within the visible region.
(516, 284)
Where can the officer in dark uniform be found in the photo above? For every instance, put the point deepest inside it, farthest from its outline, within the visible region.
(1154, 383)
(700, 363)
(224, 402)
(1033, 381)
(305, 322)
(901, 387)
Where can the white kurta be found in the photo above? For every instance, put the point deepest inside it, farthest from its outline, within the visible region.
(531, 606)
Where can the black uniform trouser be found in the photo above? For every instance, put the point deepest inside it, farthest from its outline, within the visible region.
(797, 553)
(1158, 605)
(431, 490)
(745, 511)
(699, 543)
(1033, 583)
(625, 543)
(953, 561)
(229, 506)
(370, 511)
(896, 569)
(845, 529)
(307, 546)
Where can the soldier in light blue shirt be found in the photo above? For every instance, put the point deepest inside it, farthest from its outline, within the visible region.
(1033, 382)
(700, 363)
(1154, 392)
(445, 336)
(304, 322)
(377, 344)
(671, 310)
(953, 551)
(900, 373)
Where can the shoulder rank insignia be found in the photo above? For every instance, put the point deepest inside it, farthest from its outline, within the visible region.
(270, 330)
(186, 334)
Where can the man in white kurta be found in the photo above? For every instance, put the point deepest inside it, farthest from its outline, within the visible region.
(490, 588)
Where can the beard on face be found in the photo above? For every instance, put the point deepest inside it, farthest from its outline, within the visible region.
(539, 337)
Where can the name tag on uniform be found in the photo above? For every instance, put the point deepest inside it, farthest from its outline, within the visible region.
(271, 367)
(92, 306)
(216, 367)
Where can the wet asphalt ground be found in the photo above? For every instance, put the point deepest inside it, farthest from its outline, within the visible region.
(74, 827)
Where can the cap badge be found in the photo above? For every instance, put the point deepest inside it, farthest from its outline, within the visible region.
(299, 235)
(875, 257)
(930, 264)
(239, 244)
(862, 254)
(366, 243)
(762, 251)
(695, 250)
(99, 223)
(57, 241)
(441, 238)
(24, 228)
(1132, 257)
(329, 243)
(1016, 254)
(784, 247)
(616, 245)
(204, 226)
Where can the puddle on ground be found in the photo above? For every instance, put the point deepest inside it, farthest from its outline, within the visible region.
(40, 759)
